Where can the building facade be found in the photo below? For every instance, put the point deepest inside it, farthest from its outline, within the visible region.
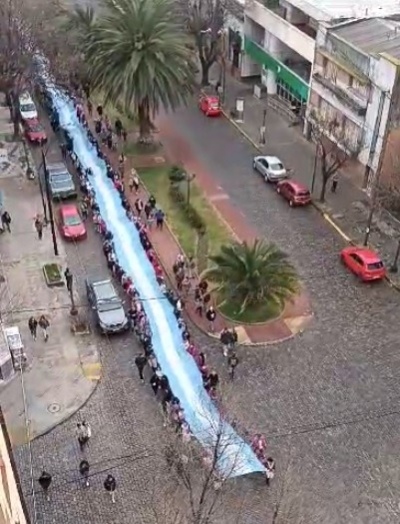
(280, 39)
(354, 84)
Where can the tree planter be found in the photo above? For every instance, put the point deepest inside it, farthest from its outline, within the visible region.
(52, 275)
(79, 325)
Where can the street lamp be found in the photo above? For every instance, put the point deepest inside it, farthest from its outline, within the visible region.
(314, 174)
(49, 203)
(189, 180)
(263, 127)
(395, 267)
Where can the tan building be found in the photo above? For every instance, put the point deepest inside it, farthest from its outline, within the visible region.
(12, 507)
(355, 84)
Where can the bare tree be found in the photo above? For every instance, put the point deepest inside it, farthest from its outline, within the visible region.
(334, 147)
(205, 22)
(201, 476)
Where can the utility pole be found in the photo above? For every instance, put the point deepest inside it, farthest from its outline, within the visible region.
(49, 203)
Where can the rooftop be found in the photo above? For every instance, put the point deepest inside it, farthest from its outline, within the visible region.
(328, 10)
(372, 36)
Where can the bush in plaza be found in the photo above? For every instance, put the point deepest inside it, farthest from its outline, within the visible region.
(190, 212)
(176, 174)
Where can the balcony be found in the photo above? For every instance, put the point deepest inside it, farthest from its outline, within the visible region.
(283, 73)
(281, 29)
(345, 95)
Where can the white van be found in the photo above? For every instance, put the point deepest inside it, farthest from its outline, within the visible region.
(27, 107)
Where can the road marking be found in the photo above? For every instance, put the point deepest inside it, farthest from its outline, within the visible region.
(218, 196)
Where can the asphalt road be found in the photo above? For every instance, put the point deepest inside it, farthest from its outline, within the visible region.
(329, 396)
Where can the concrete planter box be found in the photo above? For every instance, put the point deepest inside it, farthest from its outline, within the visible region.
(53, 275)
(80, 326)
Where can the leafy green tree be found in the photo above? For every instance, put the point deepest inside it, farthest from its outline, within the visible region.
(250, 275)
(137, 56)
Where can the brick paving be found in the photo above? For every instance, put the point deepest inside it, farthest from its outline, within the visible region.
(296, 314)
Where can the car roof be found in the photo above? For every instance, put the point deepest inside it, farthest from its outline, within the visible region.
(69, 209)
(272, 159)
(211, 98)
(297, 186)
(367, 255)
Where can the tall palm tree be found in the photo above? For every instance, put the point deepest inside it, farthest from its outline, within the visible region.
(251, 275)
(137, 56)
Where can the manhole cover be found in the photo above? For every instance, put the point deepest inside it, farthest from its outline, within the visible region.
(53, 408)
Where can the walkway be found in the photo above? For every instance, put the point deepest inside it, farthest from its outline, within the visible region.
(349, 206)
(63, 372)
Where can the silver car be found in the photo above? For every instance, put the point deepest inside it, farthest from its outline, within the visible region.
(107, 305)
(61, 183)
(270, 168)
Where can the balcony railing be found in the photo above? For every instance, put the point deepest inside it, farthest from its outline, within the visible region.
(358, 106)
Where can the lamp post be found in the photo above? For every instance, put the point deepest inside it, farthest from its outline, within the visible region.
(189, 180)
(263, 127)
(395, 264)
(49, 203)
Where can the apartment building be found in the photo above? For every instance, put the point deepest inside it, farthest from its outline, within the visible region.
(279, 39)
(355, 84)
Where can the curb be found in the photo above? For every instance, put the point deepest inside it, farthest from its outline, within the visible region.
(317, 206)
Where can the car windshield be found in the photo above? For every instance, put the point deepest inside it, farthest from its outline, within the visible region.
(36, 128)
(72, 220)
(303, 193)
(375, 265)
(106, 298)
(276, 167)
(214, 105)
(60, 179)
(109, 305)
(28, 108)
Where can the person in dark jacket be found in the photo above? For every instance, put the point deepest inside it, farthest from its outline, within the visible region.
(84, 468)
(44, 482)
(110, 485)
(225, 339)
(233, 361)
(141, 362)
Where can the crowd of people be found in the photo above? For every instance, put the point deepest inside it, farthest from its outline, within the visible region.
(172, 408)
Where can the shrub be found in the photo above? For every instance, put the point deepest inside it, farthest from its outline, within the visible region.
(176, 174)
(191, 213)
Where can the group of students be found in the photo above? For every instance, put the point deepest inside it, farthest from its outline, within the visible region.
(159, 382)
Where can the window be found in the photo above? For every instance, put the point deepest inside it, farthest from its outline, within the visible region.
(357, 259)
(375, 265)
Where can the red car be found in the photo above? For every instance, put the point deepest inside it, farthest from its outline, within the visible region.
(34, 131)
(71, 224)
(294, 192)
(210, 105)
(364, 263)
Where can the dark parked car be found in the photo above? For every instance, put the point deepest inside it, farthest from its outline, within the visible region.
(107, 305)
(61, 183)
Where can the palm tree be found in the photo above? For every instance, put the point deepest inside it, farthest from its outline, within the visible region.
(136, 54)
(251, 275)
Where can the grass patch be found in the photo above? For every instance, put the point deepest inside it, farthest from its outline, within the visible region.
(252, 315)
(157, 182)
(134, 148)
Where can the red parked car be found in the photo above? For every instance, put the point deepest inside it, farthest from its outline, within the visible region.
(34, 131)
(210, 105)
(364, 263)
(71, 224)
(295, 193)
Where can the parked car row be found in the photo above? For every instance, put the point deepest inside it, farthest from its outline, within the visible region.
(33, 129)
(362, 261)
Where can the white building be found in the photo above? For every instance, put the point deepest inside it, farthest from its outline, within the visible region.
(355, 83)
(280, 39)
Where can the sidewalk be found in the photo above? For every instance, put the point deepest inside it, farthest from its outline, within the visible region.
(63, 372)
(295, 316)
(348, 208)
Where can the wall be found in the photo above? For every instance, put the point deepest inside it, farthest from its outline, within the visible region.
(282, 30)
(10, 501)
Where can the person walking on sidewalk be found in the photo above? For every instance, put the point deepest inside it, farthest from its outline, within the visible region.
(82, 435)
(44, 324)
(33, 323)
(89, 107)
(233, 361)
(335, 181)
(225, 339)
(211, 315)
(141, 362)
(84, 468)
(68, 279)
(6, 221)
(39, 227)
(110, 485)
(44, 482)
(160, 216)
(134, 181)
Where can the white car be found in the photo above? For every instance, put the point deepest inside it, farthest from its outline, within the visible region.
(27, 107)
(270, 167)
